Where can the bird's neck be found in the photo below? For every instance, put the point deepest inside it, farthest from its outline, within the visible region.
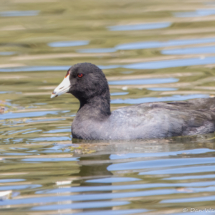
(97, 107)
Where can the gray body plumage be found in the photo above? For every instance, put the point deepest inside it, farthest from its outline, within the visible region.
(149, 120)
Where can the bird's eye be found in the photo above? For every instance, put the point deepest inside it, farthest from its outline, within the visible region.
(80, 75)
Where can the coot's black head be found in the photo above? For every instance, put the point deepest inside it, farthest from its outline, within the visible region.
(85, 81)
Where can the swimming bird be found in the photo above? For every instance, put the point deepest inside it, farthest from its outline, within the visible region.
(95, 121)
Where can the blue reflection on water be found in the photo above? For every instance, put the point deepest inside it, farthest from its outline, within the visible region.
(125, 187)
(11, 115)
(197, 13)
(4, 92)
(19, 187)
(10, 180)
(144, 81)
(173, 162)
(58, 130)
(182, 170)
(7, 53)
(61, 138)
(143, 26)
(143, 65)
(20, 13)
(68, 43)
(112, 180)
(171, 63)
(47, 68)
(34, 68)
(109, 67)
(159, 99)
(160, 154)
(193, 50)
(95, 204)
(158, 44)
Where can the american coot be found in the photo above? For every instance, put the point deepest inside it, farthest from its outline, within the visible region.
(94, 120)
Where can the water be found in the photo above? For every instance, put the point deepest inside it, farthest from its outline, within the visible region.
(150, 51)
(136, 27)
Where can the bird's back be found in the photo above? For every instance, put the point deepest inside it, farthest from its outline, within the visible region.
(159, 120)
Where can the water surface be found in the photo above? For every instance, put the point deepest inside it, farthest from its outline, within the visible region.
(150, 51)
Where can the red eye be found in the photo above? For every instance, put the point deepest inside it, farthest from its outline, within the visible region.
(80, 75)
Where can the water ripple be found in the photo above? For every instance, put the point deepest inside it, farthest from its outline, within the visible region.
(143, 26)
(144, 81)
(171, 63)
(19, 13)
(160, 44)
(193, 50)
(68, 43)
(197, 13)
(158, 99)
